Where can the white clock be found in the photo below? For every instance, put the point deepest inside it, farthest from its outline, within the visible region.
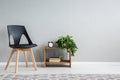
(50, 44)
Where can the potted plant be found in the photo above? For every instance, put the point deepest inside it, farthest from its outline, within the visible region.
(67, 42)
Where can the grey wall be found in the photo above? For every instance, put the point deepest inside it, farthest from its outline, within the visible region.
(94, 25)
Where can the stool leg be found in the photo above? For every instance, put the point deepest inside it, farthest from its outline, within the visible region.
(17, 59)
(9, 60)
(33, 59)
(26, 59)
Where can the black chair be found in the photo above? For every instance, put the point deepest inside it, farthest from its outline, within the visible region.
(16, 31)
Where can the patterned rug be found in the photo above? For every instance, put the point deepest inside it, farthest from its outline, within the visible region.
(60, 77)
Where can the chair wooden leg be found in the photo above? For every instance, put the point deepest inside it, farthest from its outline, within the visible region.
(9, 60)
(33, 59)
(17, 59)
(26, 59)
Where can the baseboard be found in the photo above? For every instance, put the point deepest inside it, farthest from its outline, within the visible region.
(73, 63)
(3, 64)
(95, 62)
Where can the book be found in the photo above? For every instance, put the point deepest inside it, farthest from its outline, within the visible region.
(54, 59)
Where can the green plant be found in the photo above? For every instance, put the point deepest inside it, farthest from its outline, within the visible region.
(61, 56)
(67, 42)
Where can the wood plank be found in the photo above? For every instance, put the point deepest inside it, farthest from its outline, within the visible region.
(57, 62)
(33, 59)
(44, 57)
(26, 59)
(9, 60)
(17, 59)
(52, 48)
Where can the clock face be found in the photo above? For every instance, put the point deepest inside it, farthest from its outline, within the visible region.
(50, 44)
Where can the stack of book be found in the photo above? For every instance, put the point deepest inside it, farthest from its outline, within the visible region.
(54, 59)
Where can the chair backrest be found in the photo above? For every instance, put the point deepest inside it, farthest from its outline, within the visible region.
(16, 31)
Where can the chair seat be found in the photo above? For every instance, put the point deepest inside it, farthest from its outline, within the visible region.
(23, 46)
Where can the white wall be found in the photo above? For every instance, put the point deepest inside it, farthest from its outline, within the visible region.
(94, 25)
